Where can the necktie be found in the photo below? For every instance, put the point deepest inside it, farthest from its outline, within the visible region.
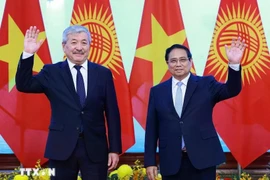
(178, 99)
(80, 88)
(179, 104)
(80, 85)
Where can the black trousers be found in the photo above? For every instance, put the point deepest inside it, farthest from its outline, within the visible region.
(79, 161)
(188, 172)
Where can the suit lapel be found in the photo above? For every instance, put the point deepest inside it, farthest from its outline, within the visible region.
(191, 86)
(67, 78)
(91, 82)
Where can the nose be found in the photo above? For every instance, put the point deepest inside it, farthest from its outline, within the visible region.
(178, 63)
(79, 46)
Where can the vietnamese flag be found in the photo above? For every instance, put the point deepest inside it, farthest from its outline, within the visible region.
(96, 15)
(161, 27)
(24, 118)
(243, 121)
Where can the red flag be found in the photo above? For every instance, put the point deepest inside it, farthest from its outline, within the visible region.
(96, 15)
(243, 121)
(24, 118)
(161, 27)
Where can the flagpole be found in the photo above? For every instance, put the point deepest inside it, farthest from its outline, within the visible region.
(239, 170)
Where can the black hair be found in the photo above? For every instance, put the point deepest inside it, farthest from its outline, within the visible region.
(177, 46)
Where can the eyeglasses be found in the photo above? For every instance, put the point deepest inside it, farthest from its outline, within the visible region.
(175, 61)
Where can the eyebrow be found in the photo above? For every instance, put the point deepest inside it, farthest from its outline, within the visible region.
(180, 57)
(78, 40)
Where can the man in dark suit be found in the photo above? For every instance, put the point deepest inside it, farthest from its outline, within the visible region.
(179, 117)
(81, 93)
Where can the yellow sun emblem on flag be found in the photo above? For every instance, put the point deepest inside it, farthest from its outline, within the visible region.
(104, 47)
(246, 23)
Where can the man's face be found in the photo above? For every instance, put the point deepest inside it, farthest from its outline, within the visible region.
(77, 47)
(178, 63)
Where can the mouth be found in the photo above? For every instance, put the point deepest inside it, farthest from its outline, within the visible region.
(78, 54)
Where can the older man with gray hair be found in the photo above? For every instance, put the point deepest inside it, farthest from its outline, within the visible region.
(83, 101)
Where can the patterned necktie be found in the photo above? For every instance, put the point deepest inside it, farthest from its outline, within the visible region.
(179, 104)
(80, 85)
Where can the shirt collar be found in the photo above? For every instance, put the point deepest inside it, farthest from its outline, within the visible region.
(71, 64)
(184, 81)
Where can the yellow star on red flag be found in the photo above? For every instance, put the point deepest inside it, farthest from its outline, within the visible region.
(154, 52)
(10, 52)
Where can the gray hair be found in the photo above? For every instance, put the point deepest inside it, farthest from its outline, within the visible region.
(75, 29)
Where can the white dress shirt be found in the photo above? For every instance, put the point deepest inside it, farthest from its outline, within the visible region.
(183, 87)
(83, 70)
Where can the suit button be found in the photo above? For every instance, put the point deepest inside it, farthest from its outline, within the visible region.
(181, 122)
(78, 128)
(82, 112)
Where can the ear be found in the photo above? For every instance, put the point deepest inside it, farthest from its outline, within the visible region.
(191, 62)
(63, 46)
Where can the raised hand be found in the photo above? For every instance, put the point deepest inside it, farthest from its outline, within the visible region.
(236, 51)
(31, 44)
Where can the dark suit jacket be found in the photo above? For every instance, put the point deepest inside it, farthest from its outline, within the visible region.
(196, 125)
(55, 80)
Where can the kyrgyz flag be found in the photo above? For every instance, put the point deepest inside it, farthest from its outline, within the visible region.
(243, 121)
(24, 118)
(96, 15)
(161, 27)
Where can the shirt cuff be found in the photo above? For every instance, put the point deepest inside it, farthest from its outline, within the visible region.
(235, 67)
(26, 55)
